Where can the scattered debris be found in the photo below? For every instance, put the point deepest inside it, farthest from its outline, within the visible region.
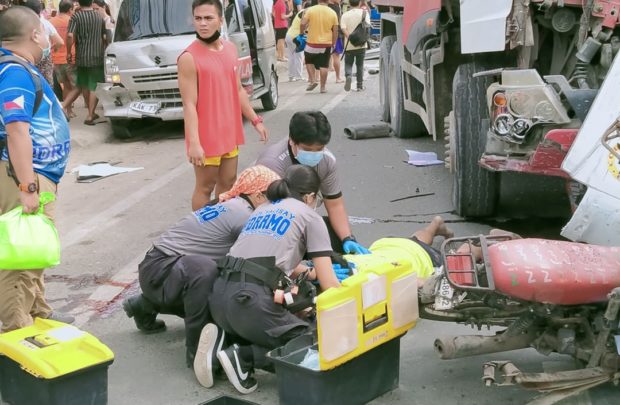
(423, 158)
(412, 196)
(367, 131)
(98, 170)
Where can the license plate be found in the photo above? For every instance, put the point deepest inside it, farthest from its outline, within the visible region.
(145, 108)
(443, 299)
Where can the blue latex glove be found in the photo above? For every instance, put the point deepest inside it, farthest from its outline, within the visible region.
(342, 273)
(352, 246)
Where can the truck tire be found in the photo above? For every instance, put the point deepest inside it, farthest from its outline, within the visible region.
(475, 190)
(384, 84)
(405, 124)
(270, 99)
(120, 128)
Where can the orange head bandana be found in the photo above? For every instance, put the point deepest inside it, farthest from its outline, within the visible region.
(252, 180)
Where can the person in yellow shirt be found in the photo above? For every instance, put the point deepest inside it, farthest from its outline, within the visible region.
(321, 24)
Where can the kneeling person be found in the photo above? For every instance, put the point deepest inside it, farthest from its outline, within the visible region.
(178, 272)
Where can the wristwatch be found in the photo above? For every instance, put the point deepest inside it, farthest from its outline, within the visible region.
(28, 188)
(257, 120)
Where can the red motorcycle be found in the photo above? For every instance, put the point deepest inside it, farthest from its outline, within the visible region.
(552, 296)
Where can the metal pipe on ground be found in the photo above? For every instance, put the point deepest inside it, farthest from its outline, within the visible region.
(368, 131)
(454, 347)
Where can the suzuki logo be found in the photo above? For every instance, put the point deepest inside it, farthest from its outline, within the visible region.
(157, 60)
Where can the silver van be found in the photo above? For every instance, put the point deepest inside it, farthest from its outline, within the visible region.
(141, 62)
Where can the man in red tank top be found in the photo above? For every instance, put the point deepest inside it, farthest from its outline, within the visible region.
(213, 103)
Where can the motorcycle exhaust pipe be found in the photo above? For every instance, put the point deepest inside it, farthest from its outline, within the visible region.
(455, 347)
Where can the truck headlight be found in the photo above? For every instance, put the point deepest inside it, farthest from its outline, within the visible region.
(112, 74)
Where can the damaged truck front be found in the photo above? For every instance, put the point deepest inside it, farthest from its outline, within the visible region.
(508, 83)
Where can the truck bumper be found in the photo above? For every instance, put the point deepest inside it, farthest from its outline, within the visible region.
(116, 101)
(546, 159)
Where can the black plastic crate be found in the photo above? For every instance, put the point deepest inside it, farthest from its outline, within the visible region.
(87, 386)
(358, 381)
(226, 400)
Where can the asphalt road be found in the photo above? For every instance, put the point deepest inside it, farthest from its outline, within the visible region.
(107, 226)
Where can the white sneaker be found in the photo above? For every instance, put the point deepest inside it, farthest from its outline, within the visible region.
(210, 343)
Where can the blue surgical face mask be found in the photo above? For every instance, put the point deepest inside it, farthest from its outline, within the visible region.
(309, 158)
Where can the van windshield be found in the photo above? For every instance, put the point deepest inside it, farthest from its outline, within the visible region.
(153, 18)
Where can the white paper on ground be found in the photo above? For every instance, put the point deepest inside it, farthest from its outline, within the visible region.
(100, 170)
(423, 158)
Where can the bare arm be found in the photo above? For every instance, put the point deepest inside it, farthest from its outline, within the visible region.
(248, 112)
(69, 48)
(303, 25)
(188, 86)
(20, 152)
(334, 34)
(338, 217)
(325, 273)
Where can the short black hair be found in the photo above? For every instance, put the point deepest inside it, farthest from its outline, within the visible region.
(354, 3)
(65, 6)
(216, 3)
(309, 128)
(100, 3)
(34, 5)
(298, 181)
(85, 3)
(17, 22)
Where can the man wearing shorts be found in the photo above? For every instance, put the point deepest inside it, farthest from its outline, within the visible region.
(213, 103)
(87, 30)
(321, 24)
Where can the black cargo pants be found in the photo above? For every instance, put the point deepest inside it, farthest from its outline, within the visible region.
(246, 309)
(179, 285)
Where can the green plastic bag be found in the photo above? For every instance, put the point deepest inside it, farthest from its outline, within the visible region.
(28, 241)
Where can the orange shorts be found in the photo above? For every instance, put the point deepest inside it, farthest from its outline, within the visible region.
(217, 160)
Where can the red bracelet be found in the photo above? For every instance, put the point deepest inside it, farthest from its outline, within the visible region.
(257, 120)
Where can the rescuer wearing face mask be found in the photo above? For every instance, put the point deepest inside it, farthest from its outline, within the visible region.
(309, 133)
(34, 148)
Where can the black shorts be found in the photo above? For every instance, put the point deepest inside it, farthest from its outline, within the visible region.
(434, 254)
(281, 33)
(319, 60)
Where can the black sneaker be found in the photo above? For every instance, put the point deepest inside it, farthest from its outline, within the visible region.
(347, 84)
(146, 320)
(210, 343)
(239, 376)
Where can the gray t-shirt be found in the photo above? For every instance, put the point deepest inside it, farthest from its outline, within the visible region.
(286, 229)
(209, 231)
(278, 158)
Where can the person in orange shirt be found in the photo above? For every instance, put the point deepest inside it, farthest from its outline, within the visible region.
(64, 72)
(213, 103)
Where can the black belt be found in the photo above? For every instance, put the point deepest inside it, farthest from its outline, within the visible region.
(239, 276)
(259, 270)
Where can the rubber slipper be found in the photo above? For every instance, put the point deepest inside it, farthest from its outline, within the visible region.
(89, 122)
(323, 90)
(96, 117)
(311, 86)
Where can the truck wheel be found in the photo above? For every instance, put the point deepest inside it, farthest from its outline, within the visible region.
(270, 99)
(405, 124)
(120, 128)
(384, 84)
(475, 190)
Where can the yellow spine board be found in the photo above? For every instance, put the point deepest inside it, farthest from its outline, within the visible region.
(50, 349)
(377, 304)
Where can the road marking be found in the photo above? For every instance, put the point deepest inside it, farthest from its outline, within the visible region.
(107, 218)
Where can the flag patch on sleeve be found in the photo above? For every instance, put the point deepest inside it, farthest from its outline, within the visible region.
(15, 104)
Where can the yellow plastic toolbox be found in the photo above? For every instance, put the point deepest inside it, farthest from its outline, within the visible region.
(52, 363)
(377, 304)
